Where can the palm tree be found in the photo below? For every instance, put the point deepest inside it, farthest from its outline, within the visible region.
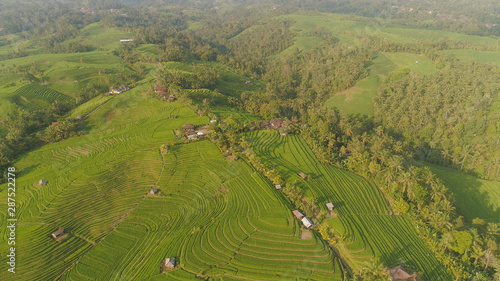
(374, 270)
(477, 253)
(446, 240)
(446, 206)
(438, 191)
(493, 229)
(405, 179)
(489, 258)
(439, 221)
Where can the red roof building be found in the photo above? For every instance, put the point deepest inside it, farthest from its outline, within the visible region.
(158, 89)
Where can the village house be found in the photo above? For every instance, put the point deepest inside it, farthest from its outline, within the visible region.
(42, 182)
(297, 214)
(399, 274)
(263, 124)
(192, 136)
(329, 206)
(55, 124)
(171, 98)
(203, 132)
(303, 176)
(188, 127)
(169, 264)
(307, 222)
(283, 134)
(278, 187)
(79, 117)
(159, 89)
(113, 90)
(59, 234)
(213, 121)
(123, 88)
(277, 123)
(126, 40)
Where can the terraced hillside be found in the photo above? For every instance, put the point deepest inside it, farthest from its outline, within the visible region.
(245, 231)
(364, 220)
(218, 218)
(34, 96)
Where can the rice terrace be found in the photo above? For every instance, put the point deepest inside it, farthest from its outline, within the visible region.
(249, 140)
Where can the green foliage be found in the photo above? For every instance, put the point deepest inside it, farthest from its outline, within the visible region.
(363, 214)
(462, 241)
(449, 119)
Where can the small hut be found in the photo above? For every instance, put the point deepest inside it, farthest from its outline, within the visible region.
(329, 206)
(42, 182)
(303, 176)
(169, 264)
(188, 127)
(59, 234)
(153, 191)
(123, 88)
(79, 117)
(307, 222)
(277, 186)
(297, 214)
(158, 89)
(399, 274)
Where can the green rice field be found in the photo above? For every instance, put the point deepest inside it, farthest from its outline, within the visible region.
(364, 219)
(219, 219)
(475, 198)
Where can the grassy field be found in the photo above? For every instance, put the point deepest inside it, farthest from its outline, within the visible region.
(358, 99)
(348, 29)
(98, 188)
(477, 56)
(68, 72)
(475, 198)
(363, 218)
(34, 96)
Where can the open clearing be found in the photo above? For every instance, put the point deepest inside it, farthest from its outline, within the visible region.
(475, 198)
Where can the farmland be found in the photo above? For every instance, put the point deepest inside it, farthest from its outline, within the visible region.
(35, 97)
(349, 30)
(476, 198)
(219, 216)
(97, 191)
(244, 232)
(364, 221)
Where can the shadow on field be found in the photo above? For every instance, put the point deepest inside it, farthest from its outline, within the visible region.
(27, 170)
(471, 201)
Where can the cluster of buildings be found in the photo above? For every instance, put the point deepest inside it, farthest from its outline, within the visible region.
(305, 220)
(163, 91)
(117, 91)
(191, 133)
